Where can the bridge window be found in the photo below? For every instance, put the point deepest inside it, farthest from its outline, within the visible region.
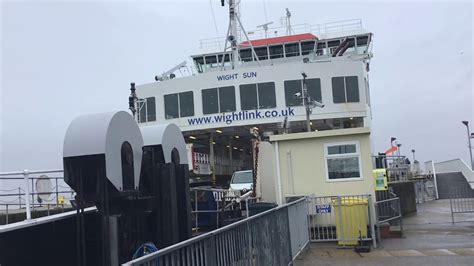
(199, 62)
(226, 59)
(211, 60)
(307, 47)
(246, 55)
(257, 96)
(294, 86)
(345, 89)
(292, 49)
(218, 100)
(179, 105)
(321, 48)
(276, 51)
(342, 161)
(147, 110)
(262, 53)
(361, 43)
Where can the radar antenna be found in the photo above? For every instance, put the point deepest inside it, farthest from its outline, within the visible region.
(265, 27)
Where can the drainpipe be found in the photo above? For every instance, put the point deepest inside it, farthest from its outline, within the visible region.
(278, 184)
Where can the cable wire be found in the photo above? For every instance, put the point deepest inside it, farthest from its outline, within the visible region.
(215, 25)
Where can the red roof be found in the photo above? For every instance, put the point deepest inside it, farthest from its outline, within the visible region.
(281, 39)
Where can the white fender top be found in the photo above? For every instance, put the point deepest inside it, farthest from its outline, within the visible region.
(104, 133)
(169, 136)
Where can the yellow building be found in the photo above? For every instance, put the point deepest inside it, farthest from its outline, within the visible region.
(322, 163)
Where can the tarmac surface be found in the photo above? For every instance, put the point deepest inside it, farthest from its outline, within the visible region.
(430, 238)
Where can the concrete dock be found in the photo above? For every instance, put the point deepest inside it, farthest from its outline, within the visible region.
(430, 238)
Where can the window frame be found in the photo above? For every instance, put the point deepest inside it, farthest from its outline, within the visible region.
(257, 95)
(301, 91)
(219, 103)
(140, 120)
(178, 104)
(345, 89)
(342, 156)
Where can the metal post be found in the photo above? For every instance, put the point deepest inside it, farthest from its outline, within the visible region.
(435, 180)
(401, 217)
(451, 204)
(27, 196)
(341, 224)
(377, 222)
(305, 97)
(196, 209)
(6, 217)
(32, 194)
(212, 160)
(371, 220)
(19, 197)
(469, 143)
(57, 193)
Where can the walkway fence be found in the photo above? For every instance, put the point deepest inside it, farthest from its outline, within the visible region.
(346, 219)
(33, 190)
(461, 199)
(211, 203)
(261, 239)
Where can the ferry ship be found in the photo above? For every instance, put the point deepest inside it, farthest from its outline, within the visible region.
(310, 78)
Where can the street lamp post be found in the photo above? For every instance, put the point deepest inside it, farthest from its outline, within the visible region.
(466, 123)
(413, 151)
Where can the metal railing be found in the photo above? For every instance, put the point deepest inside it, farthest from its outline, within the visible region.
(388, 211)
(262, 239)
(461, 199)
(346, 219)
(27, 196)
(425, 189)
(317, 29)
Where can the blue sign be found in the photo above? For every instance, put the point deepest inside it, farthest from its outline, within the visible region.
(325, 208)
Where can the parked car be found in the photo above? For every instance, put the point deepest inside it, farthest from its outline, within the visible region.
(242, 181)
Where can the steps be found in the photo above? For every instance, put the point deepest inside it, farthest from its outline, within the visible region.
(447, 181)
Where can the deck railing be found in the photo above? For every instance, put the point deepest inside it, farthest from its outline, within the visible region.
(24, 194)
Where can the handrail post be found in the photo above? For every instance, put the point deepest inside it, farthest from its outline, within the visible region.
(19, 197)
(27, 191)
(57, 194)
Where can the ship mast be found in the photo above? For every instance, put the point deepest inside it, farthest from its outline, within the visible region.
(232, 37)
(232, 33)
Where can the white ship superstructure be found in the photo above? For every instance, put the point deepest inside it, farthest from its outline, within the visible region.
(259, 83)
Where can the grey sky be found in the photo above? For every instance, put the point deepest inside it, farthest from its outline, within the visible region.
(60, 60)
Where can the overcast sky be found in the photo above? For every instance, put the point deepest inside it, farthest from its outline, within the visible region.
(63, 59)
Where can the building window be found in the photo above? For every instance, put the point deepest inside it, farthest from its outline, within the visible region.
(218, 100)
(345, 89)
(294, 86)
(257, 96)
(147, 110)
(343, 161)
(179, 105)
